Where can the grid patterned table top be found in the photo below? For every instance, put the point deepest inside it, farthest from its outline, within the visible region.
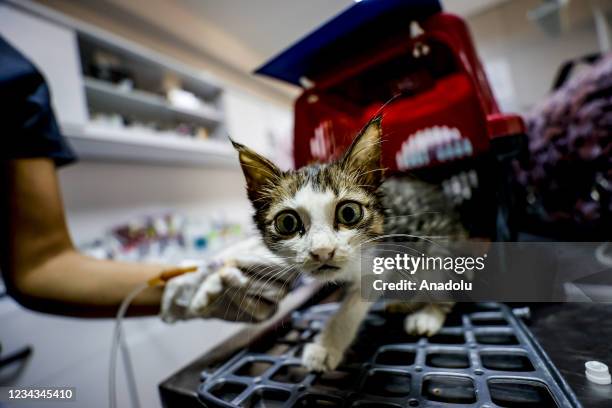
(484, 357)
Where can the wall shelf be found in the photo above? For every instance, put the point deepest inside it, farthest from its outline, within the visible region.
(112, 97)
(124, 144)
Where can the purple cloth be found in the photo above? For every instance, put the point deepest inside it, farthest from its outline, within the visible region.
(569, 173)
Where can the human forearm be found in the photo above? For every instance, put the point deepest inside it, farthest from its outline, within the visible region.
(40, 265)
(70, 283)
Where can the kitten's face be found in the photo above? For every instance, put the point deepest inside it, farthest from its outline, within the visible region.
(318, 217)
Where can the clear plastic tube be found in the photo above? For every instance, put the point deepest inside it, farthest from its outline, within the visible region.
(116, 342)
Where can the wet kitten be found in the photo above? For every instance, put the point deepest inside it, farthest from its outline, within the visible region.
(318, 217)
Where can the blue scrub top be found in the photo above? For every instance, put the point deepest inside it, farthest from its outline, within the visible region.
(28, 128)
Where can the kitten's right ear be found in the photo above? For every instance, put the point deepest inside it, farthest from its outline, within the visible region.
(258, 171)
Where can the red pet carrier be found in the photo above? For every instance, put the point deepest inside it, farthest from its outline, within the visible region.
(417, 67)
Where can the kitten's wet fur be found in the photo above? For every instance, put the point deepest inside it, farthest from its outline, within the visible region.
(318, 217)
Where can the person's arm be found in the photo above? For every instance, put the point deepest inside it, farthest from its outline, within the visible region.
(41, 268)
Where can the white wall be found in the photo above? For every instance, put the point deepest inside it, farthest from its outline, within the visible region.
(522, 59)
(98, 195)
(264, 127)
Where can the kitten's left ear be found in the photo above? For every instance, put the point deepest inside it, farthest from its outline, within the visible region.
(363, 157)
(258, 171)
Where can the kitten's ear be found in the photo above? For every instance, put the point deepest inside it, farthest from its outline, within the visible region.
(258, 170)
(363, 157)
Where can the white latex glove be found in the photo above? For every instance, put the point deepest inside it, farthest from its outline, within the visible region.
(245, 282)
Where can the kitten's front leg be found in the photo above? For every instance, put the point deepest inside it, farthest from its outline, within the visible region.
(328, 349)
(427, 320)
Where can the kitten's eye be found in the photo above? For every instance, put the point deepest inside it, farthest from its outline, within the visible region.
(287, 223)
(349, 213)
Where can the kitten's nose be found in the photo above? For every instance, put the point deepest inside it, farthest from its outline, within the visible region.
(323, 254)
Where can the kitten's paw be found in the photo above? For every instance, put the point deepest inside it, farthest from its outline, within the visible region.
(314, 357)
(427, 321)
(319, 358)
(213, 287)
(208, 291)
(233, 276)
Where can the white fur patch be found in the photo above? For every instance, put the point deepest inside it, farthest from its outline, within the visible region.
(314, 357)
(427, 321)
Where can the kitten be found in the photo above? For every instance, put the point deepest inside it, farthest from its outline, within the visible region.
(317, 217)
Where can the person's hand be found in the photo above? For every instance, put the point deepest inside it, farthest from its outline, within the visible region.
(243, 283)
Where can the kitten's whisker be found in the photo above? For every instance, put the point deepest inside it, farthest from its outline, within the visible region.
(363, 173)
(250, 283)
(259, 280)
(380, 112)
(398, 246)
(388, 217)
(259, 295)
(278, 274)
(422, 237)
